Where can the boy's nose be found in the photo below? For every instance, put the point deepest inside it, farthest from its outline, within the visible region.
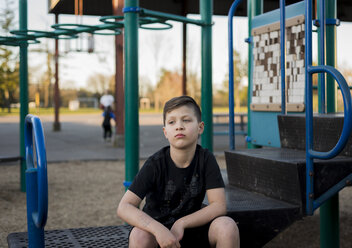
(179, 126)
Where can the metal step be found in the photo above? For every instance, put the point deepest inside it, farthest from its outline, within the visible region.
(326, 127)
(259, 218)
(108, 236)
(280, 173)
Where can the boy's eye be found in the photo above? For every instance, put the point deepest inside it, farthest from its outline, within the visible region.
(186, 120)
(170, 122)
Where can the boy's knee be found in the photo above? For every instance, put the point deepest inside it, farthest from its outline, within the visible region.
(141, 238)
(224, 228)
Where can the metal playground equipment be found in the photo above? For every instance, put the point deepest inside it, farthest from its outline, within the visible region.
(272, 186)
(133, 19)
(281, 82)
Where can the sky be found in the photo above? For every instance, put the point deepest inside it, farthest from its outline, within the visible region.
(157, 49)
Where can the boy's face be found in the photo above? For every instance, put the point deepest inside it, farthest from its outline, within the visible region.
(182, 127)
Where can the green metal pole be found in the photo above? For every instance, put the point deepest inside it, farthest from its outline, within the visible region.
(320, 81)
(329, 211)
(254, 7)
(331, 55)
(23, 89)
(206, 10)
(131, 93)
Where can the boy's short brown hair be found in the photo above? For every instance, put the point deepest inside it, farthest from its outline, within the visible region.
(180, 101)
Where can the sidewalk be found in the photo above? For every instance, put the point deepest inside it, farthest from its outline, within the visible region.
(80, 138)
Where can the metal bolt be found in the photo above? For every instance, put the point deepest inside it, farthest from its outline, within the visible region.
(311, 195)
(311, 174)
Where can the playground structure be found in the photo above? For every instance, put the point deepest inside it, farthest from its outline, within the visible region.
(289, 186)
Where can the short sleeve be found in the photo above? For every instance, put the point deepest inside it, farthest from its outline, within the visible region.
(213, 178)
(144, 180)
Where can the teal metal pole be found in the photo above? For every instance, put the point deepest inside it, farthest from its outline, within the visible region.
(23, 90)
(206, 10)
(321, 58)
(329, 211)
(254, 7)
(131, 93)
(330, 39)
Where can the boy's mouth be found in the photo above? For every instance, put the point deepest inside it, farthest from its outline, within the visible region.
(180, 135)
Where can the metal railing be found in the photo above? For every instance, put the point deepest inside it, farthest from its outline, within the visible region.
(112, 23)
(36, 182)
(231, 13)
(223, 120)
(311, 154)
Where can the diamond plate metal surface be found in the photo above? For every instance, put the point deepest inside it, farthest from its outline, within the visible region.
(109, 236)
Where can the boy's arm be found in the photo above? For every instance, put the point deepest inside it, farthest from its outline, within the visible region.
(216, 208)
(128, 211)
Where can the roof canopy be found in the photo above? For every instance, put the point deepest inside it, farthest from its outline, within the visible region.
(180, 7)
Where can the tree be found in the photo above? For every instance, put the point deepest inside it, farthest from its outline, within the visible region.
(193, 86)
(47, 77)
(9, 66)
(99, 82)
(169, 85)
(240, 73)
(160, 48)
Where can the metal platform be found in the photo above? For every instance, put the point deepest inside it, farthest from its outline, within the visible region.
(240, 200)
(280, 173)
(90, 237)
(259, 218)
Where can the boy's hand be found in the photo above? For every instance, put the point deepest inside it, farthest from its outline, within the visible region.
(178, 229)
(167, 239)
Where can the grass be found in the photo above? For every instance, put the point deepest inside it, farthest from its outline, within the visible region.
(50, 111)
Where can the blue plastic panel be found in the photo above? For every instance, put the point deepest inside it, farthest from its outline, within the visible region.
(265, 130)
(264, 125)
(274, 16)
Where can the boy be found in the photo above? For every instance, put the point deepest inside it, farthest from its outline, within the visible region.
(174, 182)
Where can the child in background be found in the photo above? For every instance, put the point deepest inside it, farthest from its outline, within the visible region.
(174, 181)
(108, 115)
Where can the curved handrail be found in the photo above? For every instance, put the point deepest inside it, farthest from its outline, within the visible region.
(231, 76)
(347, 124)
(311, 202)
(39, 215)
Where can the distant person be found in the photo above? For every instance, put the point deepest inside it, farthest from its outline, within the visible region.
(108, 114)
(174, 182)
(106, 100)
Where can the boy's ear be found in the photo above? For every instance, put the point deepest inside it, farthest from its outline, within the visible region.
(201, 127)
(164, 130)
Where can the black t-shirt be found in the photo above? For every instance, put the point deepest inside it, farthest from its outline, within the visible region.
(173, 192)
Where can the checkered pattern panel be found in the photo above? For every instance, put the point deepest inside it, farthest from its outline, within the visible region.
(266, 64)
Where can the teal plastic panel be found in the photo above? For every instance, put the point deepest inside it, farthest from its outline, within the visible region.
(264, 125)
(274, 15)
(265, 130)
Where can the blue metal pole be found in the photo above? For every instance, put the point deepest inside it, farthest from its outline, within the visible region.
(347, 125)
(37, 182)
(231, 75)
(35, 234)
(283, 55)
(309, 108)
(254, 7)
